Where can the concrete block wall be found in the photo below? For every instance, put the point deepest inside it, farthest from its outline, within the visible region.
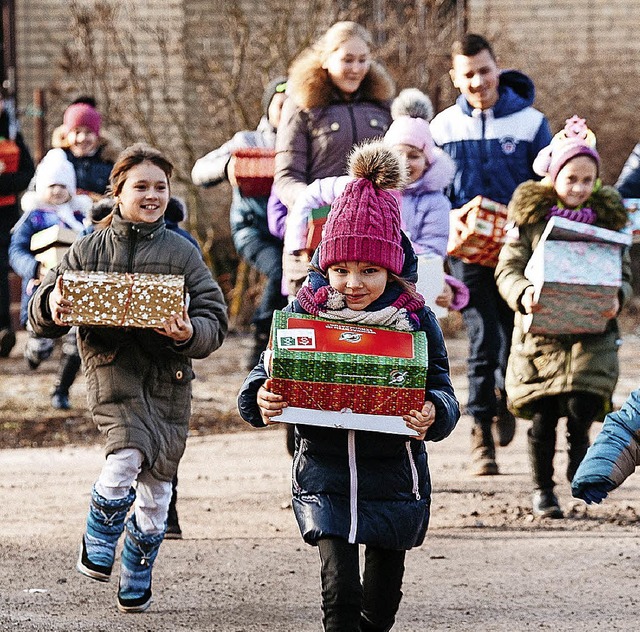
(584, 57)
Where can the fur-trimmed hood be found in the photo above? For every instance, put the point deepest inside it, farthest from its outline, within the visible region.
(532, 201)
(310, 87)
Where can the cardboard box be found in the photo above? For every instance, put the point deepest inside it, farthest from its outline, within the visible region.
(431, 282)
(317, 220)
(560, 228)
(484, 234)
(51, 257)
(254, 171)
(356, 376)
(574, 281)
(53, 236)
(111, 299)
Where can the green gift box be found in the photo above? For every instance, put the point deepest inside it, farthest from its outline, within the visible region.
(351, 375)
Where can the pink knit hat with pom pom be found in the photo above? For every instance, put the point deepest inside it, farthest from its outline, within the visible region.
(406, 130)
(576, 139)
(364, 221)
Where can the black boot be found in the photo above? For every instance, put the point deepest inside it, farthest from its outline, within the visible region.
(505, 420)
(483, 449)
(173, 532)
(69, 367)
(575, 453)
(541, 453)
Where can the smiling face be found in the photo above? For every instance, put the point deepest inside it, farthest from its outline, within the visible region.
(348, 65)
(575, 181)
(145, 193)
(82, 141)
(57, 194)
(416, 161)
(361, 282)
(477, 77)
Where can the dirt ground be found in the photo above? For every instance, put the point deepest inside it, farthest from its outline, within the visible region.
(487, 564)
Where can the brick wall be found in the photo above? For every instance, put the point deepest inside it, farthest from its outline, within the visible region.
(584, 57)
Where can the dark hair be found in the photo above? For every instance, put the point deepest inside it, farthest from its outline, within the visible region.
(132, 156)
(470, 45)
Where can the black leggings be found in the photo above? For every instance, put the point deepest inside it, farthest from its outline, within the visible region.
(580, 408)
(352, 605)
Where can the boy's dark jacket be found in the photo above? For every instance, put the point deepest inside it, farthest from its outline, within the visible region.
(393, 483)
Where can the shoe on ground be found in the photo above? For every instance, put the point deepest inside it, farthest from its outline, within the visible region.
(7, 342)
(173, 532)
(37, 350)
(139, 604)
(89, 569)
(484, 466)
(545, 504)
(59, 401)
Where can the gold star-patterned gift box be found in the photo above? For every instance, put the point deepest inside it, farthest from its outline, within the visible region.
(114, 299)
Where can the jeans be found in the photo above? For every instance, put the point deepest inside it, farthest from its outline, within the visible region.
(489, 322)
(266, 256)
(349, 604)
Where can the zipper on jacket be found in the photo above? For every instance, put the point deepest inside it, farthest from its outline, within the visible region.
(354, 128)
(353, 486)
(483, 149)
(135, 232)
(414, 471)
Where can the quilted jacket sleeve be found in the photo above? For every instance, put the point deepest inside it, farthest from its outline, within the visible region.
(615, 452)
(439, 389)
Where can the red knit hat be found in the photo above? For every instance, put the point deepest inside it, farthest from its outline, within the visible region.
(82, 115)
(364, 222)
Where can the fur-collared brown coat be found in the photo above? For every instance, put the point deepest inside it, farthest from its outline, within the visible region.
(319, 127)
(552, 365)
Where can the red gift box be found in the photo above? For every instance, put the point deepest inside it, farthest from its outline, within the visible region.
(254, 170)
(10, 157)
(484, 234)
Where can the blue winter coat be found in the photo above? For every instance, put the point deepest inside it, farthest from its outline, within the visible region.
(92, 172)
(366, 487)
(615, 454)
(628, 183)
(21, 259)
(495, 148)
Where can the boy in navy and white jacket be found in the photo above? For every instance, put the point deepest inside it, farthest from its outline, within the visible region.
(493, 134)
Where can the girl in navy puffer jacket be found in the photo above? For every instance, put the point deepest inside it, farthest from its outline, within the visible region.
(357, 487)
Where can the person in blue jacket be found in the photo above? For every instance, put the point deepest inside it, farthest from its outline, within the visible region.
(628, 183)
(614, 455)
(250, 232)
(363, 272)
(493, 134)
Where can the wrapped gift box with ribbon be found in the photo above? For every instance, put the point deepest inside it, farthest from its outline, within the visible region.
(484, 233)
(113, 299)
(346, 375)
(576, 270)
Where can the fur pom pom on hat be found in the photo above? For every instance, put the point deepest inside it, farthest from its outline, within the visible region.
(576, 139)
(411, 131)
(414, 103)
(54, 168)
(82, 115)
(364, 221)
